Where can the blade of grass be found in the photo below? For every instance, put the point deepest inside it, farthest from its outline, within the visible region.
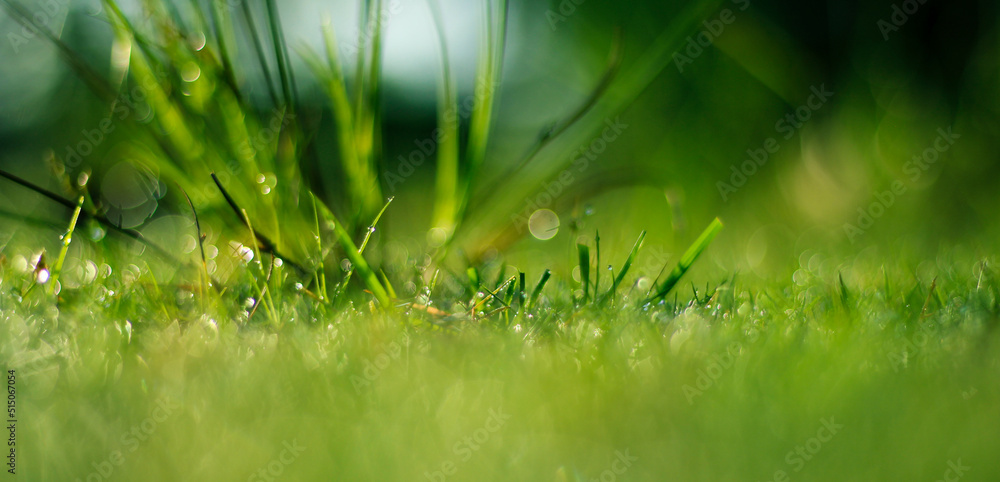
(493, 45)
(522, 289)
(844, 296)
(358, 262)
(201, 246)
(269, 306)
(258, 46)
(321, 271)
(927, 302)
(332, 79)
(538, 287)
(223, 25)
(688, 259)
(361, 266)
(388, 286)
(265, 244)
(281, 54)
(493, 294)
(368, 235)
(143, 64)
(625, 268)
(447, 182)
(584, 253)
(597, 264)
(364, 188)
(361, 61)
(474, 278)
(67, 239)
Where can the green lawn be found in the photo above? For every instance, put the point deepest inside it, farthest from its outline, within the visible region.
(775, 381)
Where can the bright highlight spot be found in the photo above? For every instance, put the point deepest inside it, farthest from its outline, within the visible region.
(191, 72)
(543, 224)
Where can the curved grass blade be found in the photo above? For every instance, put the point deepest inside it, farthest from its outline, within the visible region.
(362, 267)
(364, 243)
(358, 262)
(690, 256)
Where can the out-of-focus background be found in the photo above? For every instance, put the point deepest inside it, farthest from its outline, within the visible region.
(892, 139)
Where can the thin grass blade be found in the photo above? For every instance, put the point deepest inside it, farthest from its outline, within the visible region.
(584, 252)
(688, 259)
(625, 267)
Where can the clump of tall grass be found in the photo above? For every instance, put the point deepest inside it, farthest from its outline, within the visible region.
(252, 165)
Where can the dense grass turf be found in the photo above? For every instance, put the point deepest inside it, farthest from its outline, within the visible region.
(869, 376)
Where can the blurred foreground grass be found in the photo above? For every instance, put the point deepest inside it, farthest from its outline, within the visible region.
(878, 377)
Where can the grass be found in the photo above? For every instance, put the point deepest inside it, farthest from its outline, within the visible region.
(296, 355)
(720, 386)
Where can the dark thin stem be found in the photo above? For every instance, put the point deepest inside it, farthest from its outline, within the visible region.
(266, 245)
(281, 54)
(556, 129)
(259, 49)
(87, 214)
(201, 237)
